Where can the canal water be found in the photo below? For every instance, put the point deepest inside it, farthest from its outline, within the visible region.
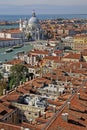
(8, 56)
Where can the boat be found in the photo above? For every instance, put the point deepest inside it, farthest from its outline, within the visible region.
(18, 46)
(8, 50)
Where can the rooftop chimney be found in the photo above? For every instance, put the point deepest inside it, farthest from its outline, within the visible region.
(71, 90)
(20, 82)
(22, 128)
(39, 113)
(57, 88)
(4, 91)
(44, 115)
(60, 93)
(33, 76)
(66, 79)
(54, 109)
(68, 103)
(15, 88)
(26, 79)
(78, 95)
(80, 66)
(29, 77)
(31, 121)
(26, 129)
(65, 116)
(7, 92)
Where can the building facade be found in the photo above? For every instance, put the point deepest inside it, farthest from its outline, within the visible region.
(80, 42)
(6, 42)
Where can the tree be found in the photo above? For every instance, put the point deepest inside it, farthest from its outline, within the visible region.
(2, 86)
(38, 58)
(1, 77)
(18, 73)
(29, 37)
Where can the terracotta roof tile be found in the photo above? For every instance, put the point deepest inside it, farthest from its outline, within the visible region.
(7, 126)
(73, 56)
(77, 119)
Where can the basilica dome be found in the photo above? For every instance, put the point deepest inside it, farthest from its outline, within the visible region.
(32, 27)
(33, 19)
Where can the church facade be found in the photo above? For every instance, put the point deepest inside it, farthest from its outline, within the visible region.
(32, 28)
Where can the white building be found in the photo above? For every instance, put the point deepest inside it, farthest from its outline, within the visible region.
(12, 33)
(11, 37)
(5, 42)
(7, 65)
(32, 27)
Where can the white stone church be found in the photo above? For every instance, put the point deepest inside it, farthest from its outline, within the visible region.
(32, 27)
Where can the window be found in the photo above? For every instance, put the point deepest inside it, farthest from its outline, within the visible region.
(3, 112)
(8, 67)
(20, 121)
(35, 114)
(10, 116)
(5, 119)
(29, 113)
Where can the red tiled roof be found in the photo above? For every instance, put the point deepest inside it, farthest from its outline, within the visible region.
(54, 58)
(73, 56)
(7, 126)
(35, 52)
(14, 61)
(76, 112)
(31, 126)
(12, 31)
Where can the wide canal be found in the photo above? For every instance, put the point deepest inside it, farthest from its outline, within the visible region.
(8, 56)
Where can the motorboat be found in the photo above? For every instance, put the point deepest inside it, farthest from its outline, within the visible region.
(18, 46)
(9, 50)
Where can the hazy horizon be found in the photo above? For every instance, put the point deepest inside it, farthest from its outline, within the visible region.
(54, 2)
(41, 9)
(25, 7)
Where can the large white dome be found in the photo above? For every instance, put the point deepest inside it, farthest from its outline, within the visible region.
(33, 19)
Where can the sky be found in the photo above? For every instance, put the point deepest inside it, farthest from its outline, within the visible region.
(56, 2)
(43, 6)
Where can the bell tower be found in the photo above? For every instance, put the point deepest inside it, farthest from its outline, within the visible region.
(20, 25)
